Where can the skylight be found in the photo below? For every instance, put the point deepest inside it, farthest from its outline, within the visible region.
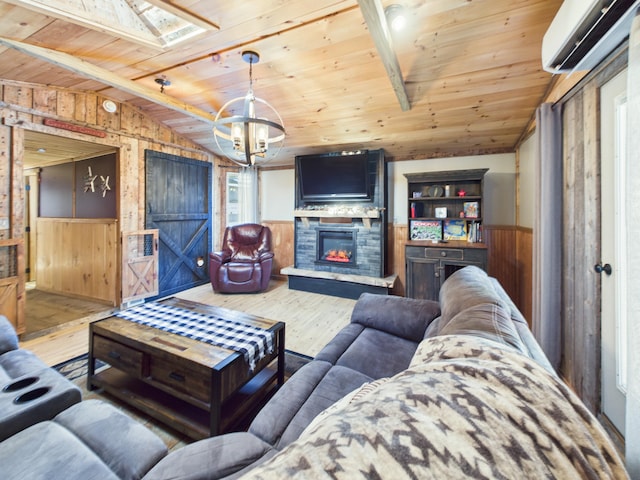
(155, 23)
(167, 27)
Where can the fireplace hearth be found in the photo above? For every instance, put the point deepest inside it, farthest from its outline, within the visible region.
(336, 246)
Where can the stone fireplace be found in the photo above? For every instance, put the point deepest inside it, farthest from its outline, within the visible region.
(340, 239)
(327, 242)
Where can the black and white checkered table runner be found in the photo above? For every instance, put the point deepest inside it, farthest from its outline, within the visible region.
(253, 342)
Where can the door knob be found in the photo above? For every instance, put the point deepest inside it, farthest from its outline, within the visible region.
(606, 268)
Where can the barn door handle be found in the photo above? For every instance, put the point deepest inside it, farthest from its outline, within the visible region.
(606, 268)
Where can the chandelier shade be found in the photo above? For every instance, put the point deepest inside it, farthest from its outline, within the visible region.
(249, 138)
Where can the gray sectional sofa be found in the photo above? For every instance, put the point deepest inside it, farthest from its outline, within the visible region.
(30, 392)
(409, 389)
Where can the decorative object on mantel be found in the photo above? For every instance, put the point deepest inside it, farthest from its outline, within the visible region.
(249, 138)
(334, 211)
(344, 210)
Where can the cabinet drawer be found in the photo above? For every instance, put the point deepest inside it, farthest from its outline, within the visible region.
(450, 253)
(187, 379)
(477, 256)
(119, 356)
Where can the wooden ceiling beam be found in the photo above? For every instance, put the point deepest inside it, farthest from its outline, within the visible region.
(107, 77)
(373, 14)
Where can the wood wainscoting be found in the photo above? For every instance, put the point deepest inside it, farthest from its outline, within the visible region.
(510, 261)
(79, 258)
(282, 243)
(524, 237)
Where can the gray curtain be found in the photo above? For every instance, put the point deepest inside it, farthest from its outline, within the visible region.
(248, 185)
(547, 233)
(632, 429)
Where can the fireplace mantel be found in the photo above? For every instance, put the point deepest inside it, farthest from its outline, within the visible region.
(365, 214)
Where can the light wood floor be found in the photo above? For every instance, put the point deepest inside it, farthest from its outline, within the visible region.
(47, 312)
(311, 320)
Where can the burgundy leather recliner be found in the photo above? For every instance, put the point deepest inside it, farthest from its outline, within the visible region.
(244, 264)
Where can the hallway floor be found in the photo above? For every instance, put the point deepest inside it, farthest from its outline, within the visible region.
(47, 312)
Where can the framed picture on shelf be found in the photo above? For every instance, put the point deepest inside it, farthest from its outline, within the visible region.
(425, 230)
(470, 209)
(454, 229)
(441, 212)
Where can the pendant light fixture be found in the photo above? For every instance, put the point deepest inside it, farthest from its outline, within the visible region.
(249, 138)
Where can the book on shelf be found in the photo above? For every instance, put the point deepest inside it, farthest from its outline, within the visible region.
(470, 209)
(425, 230)
(455, 229)
(417, 209)
(474, 234)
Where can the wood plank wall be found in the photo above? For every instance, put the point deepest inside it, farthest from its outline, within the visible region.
(25, 107)
(581, 314)
(88, 265)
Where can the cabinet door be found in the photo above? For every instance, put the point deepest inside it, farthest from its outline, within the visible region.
(448, 267)
(422, 278)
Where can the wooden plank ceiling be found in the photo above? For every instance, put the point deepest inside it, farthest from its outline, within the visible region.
(471, 70)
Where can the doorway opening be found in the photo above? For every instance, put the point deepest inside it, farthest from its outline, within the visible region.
(48, 306)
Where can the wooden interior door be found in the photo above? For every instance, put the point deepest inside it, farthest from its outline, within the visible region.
(139, 265)
(178, 198)
(12, 293)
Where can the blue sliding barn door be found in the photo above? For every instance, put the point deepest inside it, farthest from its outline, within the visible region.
(178, 204)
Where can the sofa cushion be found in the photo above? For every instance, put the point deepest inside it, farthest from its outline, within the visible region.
(5, 379)
(333, 350)
(33, 398)
(378, 354)
(486, 320)
(465, 288)
(48, 451)
(126, 446)
(8, 337)
(18, 363)
(403, 317)
(348, 399)
(313, 388)
(225, 456)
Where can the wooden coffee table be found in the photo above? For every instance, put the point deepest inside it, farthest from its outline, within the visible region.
(199, 389)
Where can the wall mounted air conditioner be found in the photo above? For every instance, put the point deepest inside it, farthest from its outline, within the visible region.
(583, 32)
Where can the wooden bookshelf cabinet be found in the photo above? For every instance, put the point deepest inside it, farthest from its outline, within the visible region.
(429, 261)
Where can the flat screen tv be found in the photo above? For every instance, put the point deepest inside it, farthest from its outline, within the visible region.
(333, 177)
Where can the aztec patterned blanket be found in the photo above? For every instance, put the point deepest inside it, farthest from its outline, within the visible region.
(465, 408)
